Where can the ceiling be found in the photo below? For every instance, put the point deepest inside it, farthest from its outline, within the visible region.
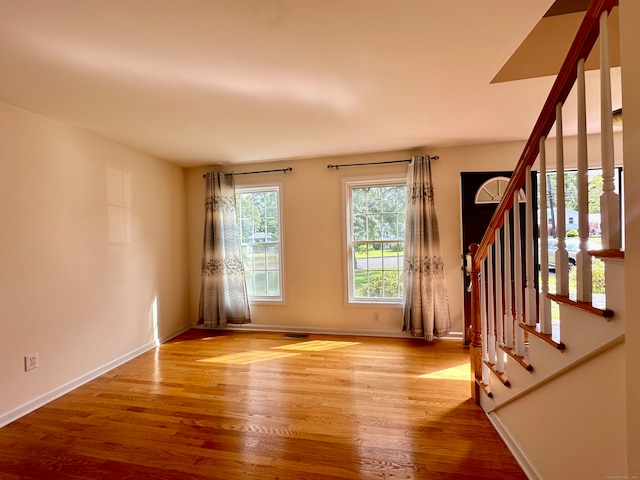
(202, 82)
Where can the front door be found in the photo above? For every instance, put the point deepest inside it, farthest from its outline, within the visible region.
(481, 193)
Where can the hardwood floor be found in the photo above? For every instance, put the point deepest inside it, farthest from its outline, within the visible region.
(235, 405)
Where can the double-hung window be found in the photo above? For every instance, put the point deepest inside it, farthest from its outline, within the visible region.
(375, 240)
(258, 213)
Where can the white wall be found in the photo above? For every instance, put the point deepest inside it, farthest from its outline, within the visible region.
(75, 287)
(313, 235)
(313, 245)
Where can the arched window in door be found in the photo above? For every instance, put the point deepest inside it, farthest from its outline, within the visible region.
(493, 189)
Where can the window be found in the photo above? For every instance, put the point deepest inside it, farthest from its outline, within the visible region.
(595, 181)
(375, 240)
(258, 212)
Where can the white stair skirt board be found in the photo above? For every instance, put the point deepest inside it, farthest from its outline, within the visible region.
(42, 400)
(514, 447)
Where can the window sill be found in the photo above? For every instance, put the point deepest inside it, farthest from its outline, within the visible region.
(266, 301)
(376, 303)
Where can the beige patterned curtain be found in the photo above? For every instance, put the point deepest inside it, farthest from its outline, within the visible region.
(426, 302)
(223, 292)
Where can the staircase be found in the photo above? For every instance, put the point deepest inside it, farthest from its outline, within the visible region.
(541, 380)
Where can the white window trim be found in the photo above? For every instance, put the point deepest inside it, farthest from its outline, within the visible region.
(347, 183)
(249, 188)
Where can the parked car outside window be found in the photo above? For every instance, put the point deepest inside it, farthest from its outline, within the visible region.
(572, 245)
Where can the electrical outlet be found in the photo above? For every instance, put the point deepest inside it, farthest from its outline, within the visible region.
(30, 362)
(376, 318)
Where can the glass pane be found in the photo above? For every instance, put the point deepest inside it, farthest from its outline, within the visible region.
(272, 204)
(373, 200)
(359, 227)
(371, 254)
(375, 283)
(374, 227)
(259, 230)
(259, 207)
(389, 199)
(402, 197)
(259, 260)
(273, 283)
(391, 255)
(246, 230)
(247, 257)
(392, 282)
(273, 257)
(362, 284)
(389, 226)
(243, 205)
(359, 256)
(359, 200)
(272, 229)
(260, 284)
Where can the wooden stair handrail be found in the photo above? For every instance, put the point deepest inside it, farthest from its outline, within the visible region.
(580, 48)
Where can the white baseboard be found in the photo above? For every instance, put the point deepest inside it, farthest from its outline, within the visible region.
(42, 400)
(328, 331)
(514, 447)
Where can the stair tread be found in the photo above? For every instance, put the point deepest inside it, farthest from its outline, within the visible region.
(485, 388)
(547, 337)
(522, 360)
(586, 306)
(502, 376)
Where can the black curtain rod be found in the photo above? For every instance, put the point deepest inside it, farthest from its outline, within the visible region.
(337, 166)
(283, 170)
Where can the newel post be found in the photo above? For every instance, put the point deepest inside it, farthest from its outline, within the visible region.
(475, 347)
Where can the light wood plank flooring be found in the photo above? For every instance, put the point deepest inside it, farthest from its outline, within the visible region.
(236, 405)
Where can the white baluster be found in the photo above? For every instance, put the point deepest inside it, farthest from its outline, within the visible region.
(491, 317)
(499, 314)
(483, 325)
(562, 256)
(485, 374)
(508, 301)
(544, 308)
(609, 201)
(517, 274)
(583, 259)
(530, 314)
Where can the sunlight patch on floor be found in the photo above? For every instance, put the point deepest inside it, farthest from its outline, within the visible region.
(246, 358)
(315, 345)
(461, 372)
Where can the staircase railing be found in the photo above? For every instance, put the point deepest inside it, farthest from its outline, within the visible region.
(505, 304)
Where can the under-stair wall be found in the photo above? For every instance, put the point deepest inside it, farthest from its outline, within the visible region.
(572, 427)
(566, 418)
